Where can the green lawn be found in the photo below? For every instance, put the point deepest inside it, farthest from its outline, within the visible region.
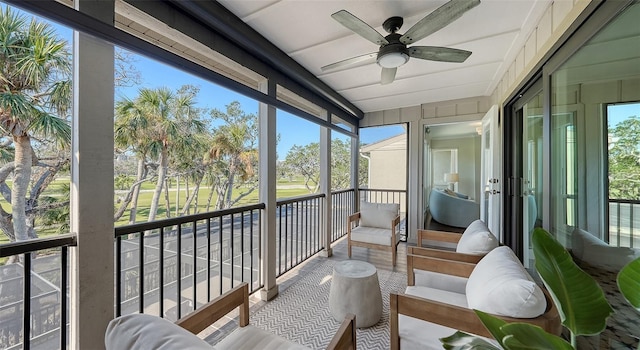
(292, 189)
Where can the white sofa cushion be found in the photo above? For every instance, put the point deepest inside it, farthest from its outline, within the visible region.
(500, 285)
(588, 248)
(373, 235)
(378, 214)
(147, 332)
(250, 337)
(476, 239)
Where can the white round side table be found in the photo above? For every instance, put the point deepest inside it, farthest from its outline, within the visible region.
(355, 289)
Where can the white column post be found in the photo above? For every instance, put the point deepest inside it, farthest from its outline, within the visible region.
(414, 187)
(92, 264)
(325, 187)
(267, 156)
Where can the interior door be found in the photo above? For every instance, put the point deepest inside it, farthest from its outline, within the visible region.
(490, 172)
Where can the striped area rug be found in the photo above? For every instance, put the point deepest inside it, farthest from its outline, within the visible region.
(301, 312)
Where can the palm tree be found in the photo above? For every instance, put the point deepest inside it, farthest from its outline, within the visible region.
(159, 120)
(35, 71)
(233, 154)
(128, 124)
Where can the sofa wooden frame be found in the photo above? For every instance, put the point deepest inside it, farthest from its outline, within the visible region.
(447, 315)
(393, 248)
(238, 297)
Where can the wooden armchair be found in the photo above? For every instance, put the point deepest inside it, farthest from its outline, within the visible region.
(446, 307)
(374, 227)
(140, 331)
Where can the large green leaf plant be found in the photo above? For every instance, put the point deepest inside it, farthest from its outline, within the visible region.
(581, 303)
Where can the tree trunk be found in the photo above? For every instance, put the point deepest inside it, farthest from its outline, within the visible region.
(194, 194)
(210, 197)
(177, 194)
(141, 174)
(229, 191)
(126, 201)
(221, 190)
(21, 178)
(162, 173)
(186, 194)
(166, 197)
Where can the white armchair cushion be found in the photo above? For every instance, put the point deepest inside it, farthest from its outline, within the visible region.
(500, 285)
(440, 281)
(477, 239)
(251, 337)
(378, 214)
(416, 334)
(146, 332)
(373, 235)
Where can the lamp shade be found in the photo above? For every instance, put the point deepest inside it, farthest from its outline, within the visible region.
(451, 177)
(393, 59)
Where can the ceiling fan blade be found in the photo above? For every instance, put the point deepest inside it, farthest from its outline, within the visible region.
(349, 61)
(359, 27)
(437, 53)
(388, 75)
(438, 19)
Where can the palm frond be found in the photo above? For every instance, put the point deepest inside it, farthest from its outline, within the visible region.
(51, 127)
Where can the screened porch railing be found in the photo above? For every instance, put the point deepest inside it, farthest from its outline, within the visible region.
(41, 318)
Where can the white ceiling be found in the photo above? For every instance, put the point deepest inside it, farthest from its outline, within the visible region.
(303, 29)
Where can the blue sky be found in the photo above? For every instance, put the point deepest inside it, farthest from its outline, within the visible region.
(618, 112)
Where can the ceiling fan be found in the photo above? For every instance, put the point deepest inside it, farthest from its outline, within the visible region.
(393, 51)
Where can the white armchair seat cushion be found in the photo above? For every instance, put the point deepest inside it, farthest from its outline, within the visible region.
(417, 334)
(147, 332)
(440, 281)
(378, 214)
(439, 295)
(250, 337)
(373, 235)
(477, 239)
(500, 285)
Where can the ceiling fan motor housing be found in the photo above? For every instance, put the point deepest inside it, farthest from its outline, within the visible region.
(394, 54)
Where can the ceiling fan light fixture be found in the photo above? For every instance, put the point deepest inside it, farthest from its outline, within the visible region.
(393, 59)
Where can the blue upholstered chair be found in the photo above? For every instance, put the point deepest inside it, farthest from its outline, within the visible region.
(452, 209)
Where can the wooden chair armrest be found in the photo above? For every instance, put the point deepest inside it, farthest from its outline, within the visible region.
(447, 315)
(396, 221)
(444, 254)
(345, 337)
(445, 266)
(214, 310)
(440, 236)
(353, 217)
